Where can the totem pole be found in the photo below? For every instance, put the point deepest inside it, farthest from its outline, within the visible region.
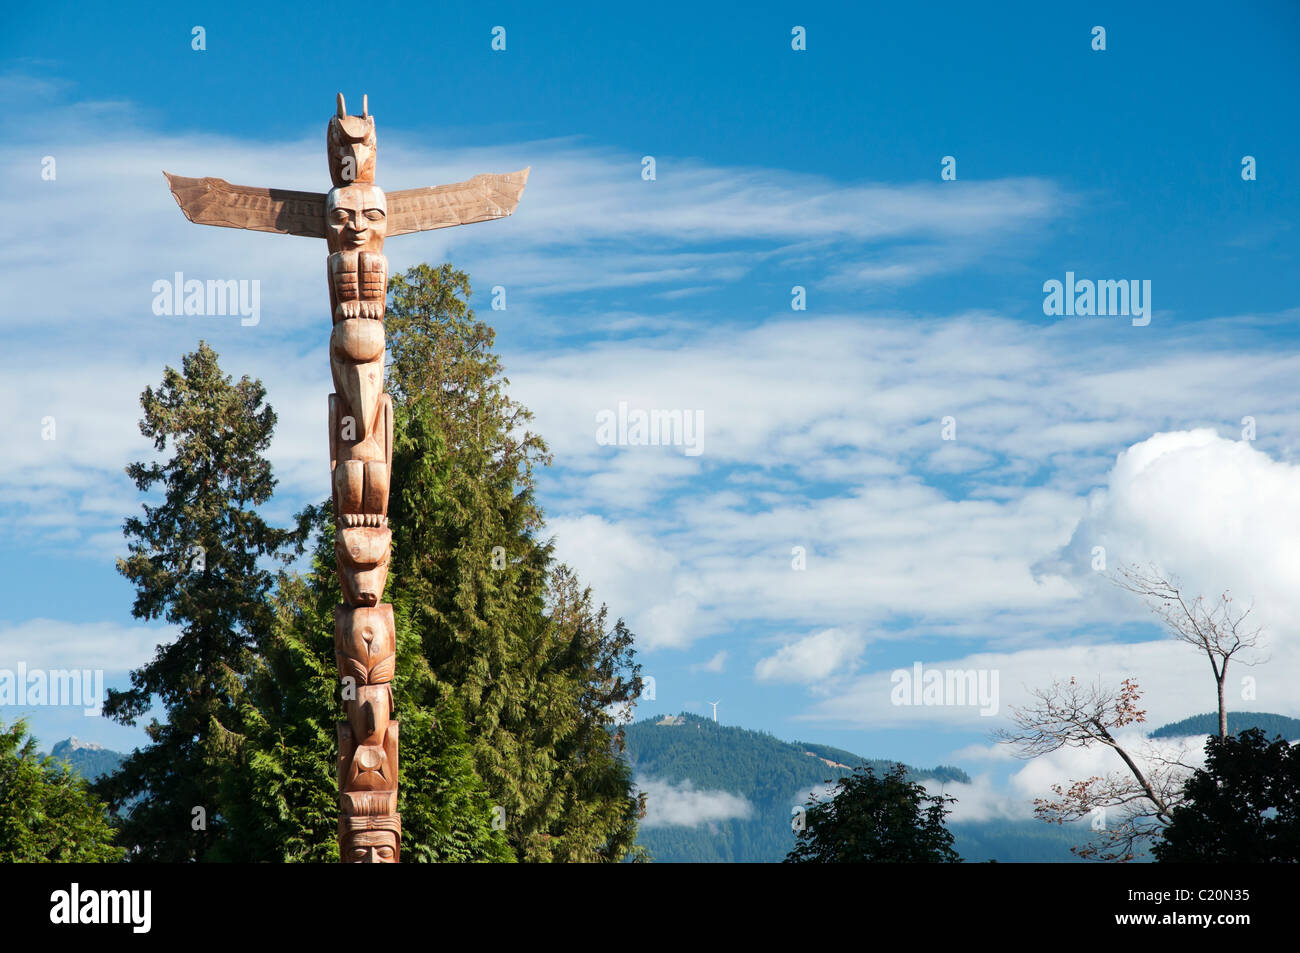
(354, 217)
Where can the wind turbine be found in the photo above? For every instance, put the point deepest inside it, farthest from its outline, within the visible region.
(715, 709)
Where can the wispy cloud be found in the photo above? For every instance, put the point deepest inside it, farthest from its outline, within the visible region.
(670, 804)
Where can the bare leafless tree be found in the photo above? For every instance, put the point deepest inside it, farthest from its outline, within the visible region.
(1136, 805)
(1220, 629)
(1068, 714)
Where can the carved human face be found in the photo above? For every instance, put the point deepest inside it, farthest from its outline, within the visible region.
(370, 847)
(356, 218)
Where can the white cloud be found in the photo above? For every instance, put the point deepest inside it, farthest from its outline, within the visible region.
(1011, 796)
(680, 805)
(640, 580)
(54, 644)
(583, 225)
(821, 431)
(984, 799)
(1220, 514)
(1036, 778)
(716, 664)
(814, 658)
(1174, 678)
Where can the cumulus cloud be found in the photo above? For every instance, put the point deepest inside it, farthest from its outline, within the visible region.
(1219, 514)
(670, 804)
(850, 463)
(814, 658)
(584, 226)
(821, 431)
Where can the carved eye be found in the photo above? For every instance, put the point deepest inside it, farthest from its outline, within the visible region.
(385, 852)
(340, 215)
(374, 214)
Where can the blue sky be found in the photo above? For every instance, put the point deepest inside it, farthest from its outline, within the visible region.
(820, 428)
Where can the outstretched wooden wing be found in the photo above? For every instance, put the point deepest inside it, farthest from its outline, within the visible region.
(210, 201)
(480, 199)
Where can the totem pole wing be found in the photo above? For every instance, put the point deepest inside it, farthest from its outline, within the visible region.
(210, 201)
(480, 199)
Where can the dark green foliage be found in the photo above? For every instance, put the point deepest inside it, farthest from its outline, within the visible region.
(876, 820)
(282, 787)
(196, 560)
(505, 669)
(945, 773)
(1238, 721)
(286, 768)
(446, 810)
(47, 812)
(774, 776)
(586, 809)
(1243, 807)
(511, 637)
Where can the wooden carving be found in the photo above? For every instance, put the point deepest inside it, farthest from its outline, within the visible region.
(354, 217)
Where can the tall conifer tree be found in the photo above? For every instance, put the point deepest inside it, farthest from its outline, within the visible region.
(507, 675)
(197, 559)
(509, 634)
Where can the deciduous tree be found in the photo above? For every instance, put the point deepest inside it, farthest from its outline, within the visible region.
(876, 820)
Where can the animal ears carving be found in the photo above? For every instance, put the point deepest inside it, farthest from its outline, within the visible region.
(365, 107)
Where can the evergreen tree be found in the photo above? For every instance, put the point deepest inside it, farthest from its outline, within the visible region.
(876, 820)
(47, 812)
(1242, 807)
(195, 560)
(283, 790)
(506, 673)
(583, 679)
(505, 632)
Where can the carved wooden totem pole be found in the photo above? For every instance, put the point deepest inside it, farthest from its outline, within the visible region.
(354, 217)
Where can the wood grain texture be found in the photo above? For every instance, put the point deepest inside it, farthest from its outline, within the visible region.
(483, 198)
(211, 201)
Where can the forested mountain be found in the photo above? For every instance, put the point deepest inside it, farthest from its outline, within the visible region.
(1020, 842)
(86, 758)
(1238, 721)
(881, 765)
(685, 767)
(690, 764)
(697, 756)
